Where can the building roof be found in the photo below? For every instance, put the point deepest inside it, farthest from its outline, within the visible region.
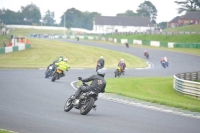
(191, 15)
(175, 20)
(122, 21)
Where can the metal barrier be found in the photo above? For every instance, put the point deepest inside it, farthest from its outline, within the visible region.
(184, 83)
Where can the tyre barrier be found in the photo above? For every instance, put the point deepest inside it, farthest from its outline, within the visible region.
(187, 83)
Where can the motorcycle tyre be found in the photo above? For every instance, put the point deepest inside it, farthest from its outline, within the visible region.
(68, 108)
(54, 77)
(116, 73)
(88, 108)
(47, 74)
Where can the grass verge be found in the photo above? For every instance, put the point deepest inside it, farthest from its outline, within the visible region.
(5, 131)
(156, 90)
(43, 52)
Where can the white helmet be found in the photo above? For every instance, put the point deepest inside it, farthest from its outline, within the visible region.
(65, 59)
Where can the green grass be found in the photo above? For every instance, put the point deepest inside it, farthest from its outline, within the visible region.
(2, 38)
(27, 32)
(5, 131)
(187, 28)
(43, 52)
(156, 90)
(182, 38)
(193, 38)
(193, 51)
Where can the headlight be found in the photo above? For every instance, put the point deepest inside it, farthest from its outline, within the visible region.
(50, 67)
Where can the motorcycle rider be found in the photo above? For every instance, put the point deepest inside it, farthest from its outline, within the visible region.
(63, 65)
(100, 62)
(60, 58)
(162, 61)
(145, 53)
(98, 84)
(166, 61)
(122, 65)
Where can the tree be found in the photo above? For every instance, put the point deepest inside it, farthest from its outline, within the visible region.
(127, 13)
(188, 5)
(10, 17)
(147, 9)
(31, 14)
(77, 19)
(162, 25)
(88, 19)
(49, 18)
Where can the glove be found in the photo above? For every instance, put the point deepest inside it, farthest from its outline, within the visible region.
(79, 78)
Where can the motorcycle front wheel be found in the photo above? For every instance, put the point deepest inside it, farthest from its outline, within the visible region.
(68, 105)
(116, 73)
(85, 109)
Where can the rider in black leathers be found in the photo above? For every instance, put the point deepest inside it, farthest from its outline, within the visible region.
(101, 62)
(98, 84)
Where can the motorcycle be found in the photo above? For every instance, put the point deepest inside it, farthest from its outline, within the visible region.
(49, 71)
(164, 64)
(57, 74)
(127, 45)
(98, 67)
(146, 55)
(118, 72)
(84, 102)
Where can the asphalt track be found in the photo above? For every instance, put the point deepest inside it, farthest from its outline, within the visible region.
(29, 103)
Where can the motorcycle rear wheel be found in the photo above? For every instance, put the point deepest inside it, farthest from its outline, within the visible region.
(85, 109)
(54, 77)
(68, 105)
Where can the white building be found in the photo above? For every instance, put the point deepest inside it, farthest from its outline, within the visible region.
(109, 24)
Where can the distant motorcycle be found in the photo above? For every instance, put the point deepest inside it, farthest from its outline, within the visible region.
(164, 64)
(118, 72)
(98, 67)
(49, 71)
(57, 74)
(84, 102)
(127, 45)
(146, 55)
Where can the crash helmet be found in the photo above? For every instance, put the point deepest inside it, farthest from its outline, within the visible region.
(101, 72)
(65, 60)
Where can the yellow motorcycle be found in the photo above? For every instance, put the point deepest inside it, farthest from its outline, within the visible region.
(118, 72)
(57, 74)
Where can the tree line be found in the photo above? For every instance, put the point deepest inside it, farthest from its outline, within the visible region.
(31, 15)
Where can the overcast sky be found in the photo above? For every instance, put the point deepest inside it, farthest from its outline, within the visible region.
(167, 9)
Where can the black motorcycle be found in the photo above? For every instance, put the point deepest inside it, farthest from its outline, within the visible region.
(84, 102)
(118, 72)
(49, 71)
(98, 67)
(164, 64)
(127, 45)
(146, 55)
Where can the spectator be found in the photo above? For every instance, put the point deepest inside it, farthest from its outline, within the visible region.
(4, 43)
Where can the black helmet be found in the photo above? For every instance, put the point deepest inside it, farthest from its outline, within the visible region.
(101, 72)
